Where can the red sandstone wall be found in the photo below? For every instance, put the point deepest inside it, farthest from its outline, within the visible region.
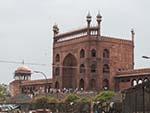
(121, 57)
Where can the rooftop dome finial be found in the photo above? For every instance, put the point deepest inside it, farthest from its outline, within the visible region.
(132, 34)
(89, 17)
(55, 29)
(132, 31)
(99, 17)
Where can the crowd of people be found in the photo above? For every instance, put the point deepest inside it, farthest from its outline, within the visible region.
(59, 92)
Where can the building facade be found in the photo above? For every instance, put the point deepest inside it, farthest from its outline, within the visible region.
(84, 58)
(22, 83)
(129, 78)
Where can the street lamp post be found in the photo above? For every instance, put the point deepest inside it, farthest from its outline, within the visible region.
(44, 77)
(41, 73)
(143, 87)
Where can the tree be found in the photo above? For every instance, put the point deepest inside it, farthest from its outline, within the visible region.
(102, 101)
(104, 96)
(3, 92)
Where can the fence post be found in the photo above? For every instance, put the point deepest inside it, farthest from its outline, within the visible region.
(143, 98)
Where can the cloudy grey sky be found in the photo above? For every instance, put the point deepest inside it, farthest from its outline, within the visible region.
(26, 28)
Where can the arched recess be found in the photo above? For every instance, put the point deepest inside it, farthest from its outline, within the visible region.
(69, 71)
(92, 84)
(57, 58)
(134, 82)
(106, 84)
(93, 53)
(106, 68)
(56, 85)
(82, 68)
(81, 84)
(106, 53)
(82, 53)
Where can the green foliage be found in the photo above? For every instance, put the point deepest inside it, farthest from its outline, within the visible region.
(3, 92)
(72, 98)
(53, 100)
(85, 100)
(41, 102)
(104, 96)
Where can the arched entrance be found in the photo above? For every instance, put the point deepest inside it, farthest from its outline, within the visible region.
(81, 84)
(69, 71)
(56, 85)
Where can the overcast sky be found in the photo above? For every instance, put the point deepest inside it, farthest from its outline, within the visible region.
(26, 28)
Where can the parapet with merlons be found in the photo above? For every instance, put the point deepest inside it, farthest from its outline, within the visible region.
(76, 34)
(81, 35)
(86, 34)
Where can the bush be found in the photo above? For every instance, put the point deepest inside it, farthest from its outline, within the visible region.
(104, 96)
(53, 100)
(41, 102)
(85, 100)
(72, 98)
(3, 92)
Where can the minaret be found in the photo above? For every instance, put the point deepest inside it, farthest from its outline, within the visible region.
(132, 35)
(55, 31)
(88, 19)
(99, 19)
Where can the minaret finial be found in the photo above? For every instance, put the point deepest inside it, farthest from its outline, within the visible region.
(88, 19)
(55, 29)
(132, 34)
(99, 19)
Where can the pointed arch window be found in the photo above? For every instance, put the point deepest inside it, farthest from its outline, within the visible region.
(93, 53)
(57, 58)
(106, 68)
(82, 53)
(106, 84)
(93, 68)
(81, 84)
(82, 68)
(106, 53)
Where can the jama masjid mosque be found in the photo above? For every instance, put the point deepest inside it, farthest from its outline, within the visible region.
(84, 58)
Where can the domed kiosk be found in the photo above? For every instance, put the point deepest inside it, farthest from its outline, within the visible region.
(23, 73)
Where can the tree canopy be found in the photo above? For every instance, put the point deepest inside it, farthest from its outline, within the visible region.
(3, 92)
(104, 96)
